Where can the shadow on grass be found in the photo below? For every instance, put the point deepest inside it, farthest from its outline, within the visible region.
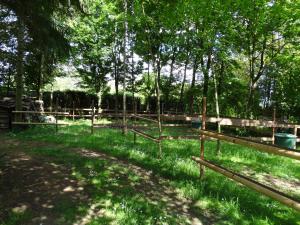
(123, 192)
(228, 200)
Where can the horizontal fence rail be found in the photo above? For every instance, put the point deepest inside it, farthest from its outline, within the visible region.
(38, 112)
(146, 119)
(257, 145)
(147, 136)
(37, 123)
(268, 191)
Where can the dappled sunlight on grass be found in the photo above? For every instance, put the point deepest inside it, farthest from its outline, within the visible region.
(221, 198)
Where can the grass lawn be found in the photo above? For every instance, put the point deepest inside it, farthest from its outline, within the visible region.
(215, 199)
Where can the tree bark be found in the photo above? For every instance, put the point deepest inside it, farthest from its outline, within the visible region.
(20, 69)
(51, 98)
(149, 96)
(8, 81)
(206, 70)
(157, 84)
(171, 77)
(195, 67)
(125, 68)
(217, 112)
(182, 87)
(133, 81)
(116, 75)
(41, 77)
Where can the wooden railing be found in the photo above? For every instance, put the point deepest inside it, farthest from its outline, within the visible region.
(247, 181)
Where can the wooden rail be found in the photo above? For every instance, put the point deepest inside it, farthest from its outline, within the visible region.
(231, 121)
(38, 112)
(268, 191)
(252, 144)
(147, 136)
(146, 119)
(108, 125)
(182, 137)
(37, 123)
(265, 139)
(176, 125)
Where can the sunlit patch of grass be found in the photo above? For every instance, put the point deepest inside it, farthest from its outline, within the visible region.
(229, 202)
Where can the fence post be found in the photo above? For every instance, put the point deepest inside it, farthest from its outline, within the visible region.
(202, 136)
(274, 124)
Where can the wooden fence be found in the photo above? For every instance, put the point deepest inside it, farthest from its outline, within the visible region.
(202, 136)
(247, 181)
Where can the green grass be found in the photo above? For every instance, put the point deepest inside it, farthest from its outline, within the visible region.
(229, 202)
(17, 218)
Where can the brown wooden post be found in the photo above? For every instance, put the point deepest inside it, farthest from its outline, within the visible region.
(202, 136)
(93, 117)
(274, 124)
(56, 124)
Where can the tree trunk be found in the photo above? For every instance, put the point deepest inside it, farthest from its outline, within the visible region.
(133, 81)
(206, 71)
(116, 73)
(182, 87)
(195, 67)
(51, 98)
(41, 77)
(217, 112)
(250, 98)
(149, 96)
(99, 95)
(125, 68)
(8, 81)
(157, 84)
(170, 80)
(20, 69)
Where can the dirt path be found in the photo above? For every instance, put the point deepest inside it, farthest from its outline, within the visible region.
(28, 184)
(39, 185)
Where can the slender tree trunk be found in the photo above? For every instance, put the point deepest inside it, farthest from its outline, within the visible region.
(182, 87)
(116, 73)
(250, 98)
(8, 81)
(134, 102)
(51, 98)
(195, 67)
(133, 80)
(206, 72)
(41, 77)
(171, 77)
(157, 84)
(116, 55)
(99, 95)
(149, 96)
(217, 112)
(125, 68)
(20, 69)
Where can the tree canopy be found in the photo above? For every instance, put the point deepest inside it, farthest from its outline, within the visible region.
(245, 54)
